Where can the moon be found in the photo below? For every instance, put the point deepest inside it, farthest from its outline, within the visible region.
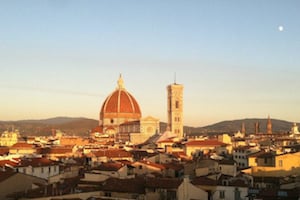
(280, 28)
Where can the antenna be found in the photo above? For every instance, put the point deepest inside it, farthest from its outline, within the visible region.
(174, 77)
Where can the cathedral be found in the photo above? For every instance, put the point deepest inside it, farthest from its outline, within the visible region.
(121, 121)
(119, 107)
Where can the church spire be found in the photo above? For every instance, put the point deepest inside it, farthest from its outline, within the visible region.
(243, 128)
(269, 125)
(121, 82)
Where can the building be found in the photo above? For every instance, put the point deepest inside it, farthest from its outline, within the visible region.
(240, 155)
(119, 107)
(193, 148)
(270, 164)
(269, 126)
(13, 182)
(121, 119)
(9, 138)
(175, 109)
(38, 167)
(22, 148)
(137, 132)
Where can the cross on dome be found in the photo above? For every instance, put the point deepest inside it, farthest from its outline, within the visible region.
(121, 82)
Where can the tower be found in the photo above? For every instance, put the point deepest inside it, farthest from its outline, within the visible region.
(256, 127)
(269, 125)
(243, 128)
(175, 109)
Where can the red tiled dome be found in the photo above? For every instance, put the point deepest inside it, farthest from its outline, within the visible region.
(120, 104)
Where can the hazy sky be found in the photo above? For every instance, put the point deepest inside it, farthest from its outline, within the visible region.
(63, 57)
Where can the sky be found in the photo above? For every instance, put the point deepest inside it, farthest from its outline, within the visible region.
(236, 59)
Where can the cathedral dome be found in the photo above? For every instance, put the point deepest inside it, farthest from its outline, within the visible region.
(120, 104)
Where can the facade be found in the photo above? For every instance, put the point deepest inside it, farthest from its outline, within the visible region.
(9, 138)
(109, 170)
(149, 126)
(230, 192)
(240, 155)
(193, 148)
(269, 164)
(13, 182)
(175, 109)
(38, 167)
(143, 167)
(22, 148)
(105, 155)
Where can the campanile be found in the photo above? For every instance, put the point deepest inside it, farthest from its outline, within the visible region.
(175, 109)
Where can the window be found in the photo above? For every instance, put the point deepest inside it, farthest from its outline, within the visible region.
(140, 167)
(42, 169)
(111, 121)
(237, 194)
(280, 163)
(171, 195)
(151, 189)
(222, 194)
(107, 194)
(282, 193)
(224, 182)
(177, 104)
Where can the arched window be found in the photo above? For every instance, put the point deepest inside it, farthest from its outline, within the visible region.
(176, 104)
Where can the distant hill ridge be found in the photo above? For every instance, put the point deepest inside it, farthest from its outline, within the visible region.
(232, 126)
(81, 126)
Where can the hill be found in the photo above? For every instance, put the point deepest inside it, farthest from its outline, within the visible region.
(82, 126)
(235, 125)
(71, 126)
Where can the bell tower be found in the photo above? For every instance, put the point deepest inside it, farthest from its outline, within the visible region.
(175, 109)
(269, 125)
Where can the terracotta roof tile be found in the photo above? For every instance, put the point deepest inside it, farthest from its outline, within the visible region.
(37, 162)
(110, 166)
(121, 101)
(4, 150)
(22, 145)
(97, 129)
(60, 150)
(169, 140)
(175, 166)
(134, 185)
(165, 183)
(203, 181)
(152, 164)
(6, 174)
(8, 163)
(112, 153)
(205, 143)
